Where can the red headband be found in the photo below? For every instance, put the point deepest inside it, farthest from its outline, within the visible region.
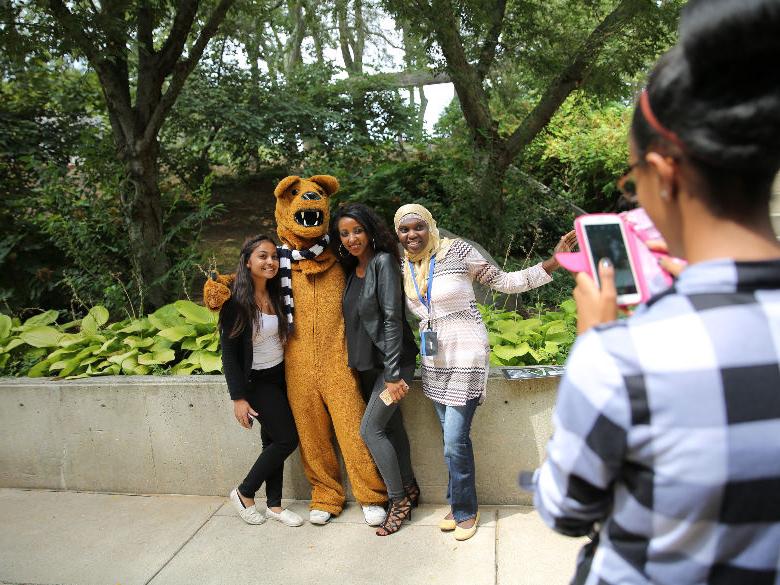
(647, 112)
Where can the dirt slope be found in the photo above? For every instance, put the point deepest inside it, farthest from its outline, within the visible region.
(249, 210)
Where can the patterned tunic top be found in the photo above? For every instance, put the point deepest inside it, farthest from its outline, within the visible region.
(459, 371)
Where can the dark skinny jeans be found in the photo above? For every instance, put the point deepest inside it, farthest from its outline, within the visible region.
(382, 429)
(267, 395)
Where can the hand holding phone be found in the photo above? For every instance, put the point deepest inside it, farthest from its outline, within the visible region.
(604, 235)
(594, 305)
(243, 412)
(386, 397)
(389, 397)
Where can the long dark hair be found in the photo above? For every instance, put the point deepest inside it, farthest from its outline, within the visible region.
(718, 90)
(243, 292)
(383, 240)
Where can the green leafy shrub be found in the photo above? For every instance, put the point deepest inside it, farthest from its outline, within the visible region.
(542, 339)
(180, 338)
(64, 242)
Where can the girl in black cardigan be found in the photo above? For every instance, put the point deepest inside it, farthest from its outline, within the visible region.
(252, 332)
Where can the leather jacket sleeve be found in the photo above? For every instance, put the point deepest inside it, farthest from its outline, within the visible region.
(232, 352)
(388, 293)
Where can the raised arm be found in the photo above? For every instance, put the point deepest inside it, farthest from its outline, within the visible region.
(506, 282)
(522, 280)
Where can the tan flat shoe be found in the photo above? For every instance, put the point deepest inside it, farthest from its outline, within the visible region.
(466, 533)
(447, 524)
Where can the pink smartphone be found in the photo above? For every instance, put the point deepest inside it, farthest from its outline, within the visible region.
(640, 226)
(604, 235)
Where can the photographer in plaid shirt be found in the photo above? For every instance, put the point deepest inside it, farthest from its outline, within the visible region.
(667, 441)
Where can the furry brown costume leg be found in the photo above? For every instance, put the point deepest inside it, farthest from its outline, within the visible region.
(324, 393)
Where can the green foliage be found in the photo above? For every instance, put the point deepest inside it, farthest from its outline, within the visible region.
(180, 338)
(64, 243)
(545, 338)
(247, 107)
(46, 111)
(583, 151)
(440, 178)
(226, 117)
(573, 164)
(539, 38)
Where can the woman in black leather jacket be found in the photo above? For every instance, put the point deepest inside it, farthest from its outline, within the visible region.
(380, 347)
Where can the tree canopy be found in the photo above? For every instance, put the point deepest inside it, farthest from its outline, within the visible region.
(117, 115)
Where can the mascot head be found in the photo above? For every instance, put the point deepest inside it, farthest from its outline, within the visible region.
(302, 208)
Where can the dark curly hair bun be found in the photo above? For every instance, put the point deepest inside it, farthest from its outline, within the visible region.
(718, 91)
(731, 50)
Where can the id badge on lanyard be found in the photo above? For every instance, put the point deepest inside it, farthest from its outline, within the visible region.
(429, 341)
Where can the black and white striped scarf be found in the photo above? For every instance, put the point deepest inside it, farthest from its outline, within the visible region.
(286, 257)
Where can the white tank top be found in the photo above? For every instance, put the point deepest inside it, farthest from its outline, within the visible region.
(267, 350)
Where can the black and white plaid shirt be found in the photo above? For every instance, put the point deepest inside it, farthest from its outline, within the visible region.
(667, 437)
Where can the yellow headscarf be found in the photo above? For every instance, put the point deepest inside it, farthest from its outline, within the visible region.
(421, 260)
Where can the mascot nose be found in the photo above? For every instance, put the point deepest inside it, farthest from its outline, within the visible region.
(311, 196)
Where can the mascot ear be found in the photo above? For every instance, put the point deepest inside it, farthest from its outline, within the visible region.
(330, 184)
(285, 184)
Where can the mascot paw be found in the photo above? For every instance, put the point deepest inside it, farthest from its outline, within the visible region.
(217, 290)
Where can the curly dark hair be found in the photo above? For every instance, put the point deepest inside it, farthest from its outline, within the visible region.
(383, 240)
(243, 291)
(718, 90)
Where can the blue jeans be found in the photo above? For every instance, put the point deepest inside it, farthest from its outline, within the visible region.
(459, 455)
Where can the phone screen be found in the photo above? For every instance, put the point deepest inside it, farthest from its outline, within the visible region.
(606, 241)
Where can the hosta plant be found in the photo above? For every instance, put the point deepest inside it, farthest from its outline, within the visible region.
(180, 338)
(541, 339)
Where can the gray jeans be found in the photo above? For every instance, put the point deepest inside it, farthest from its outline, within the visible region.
(382, 429)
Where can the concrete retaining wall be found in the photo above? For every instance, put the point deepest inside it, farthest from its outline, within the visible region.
(149, 435)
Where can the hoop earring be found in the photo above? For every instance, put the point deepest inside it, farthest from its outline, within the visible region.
(373, 244)
(345, 253)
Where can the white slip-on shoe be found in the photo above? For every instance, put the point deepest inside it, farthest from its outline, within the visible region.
(374, 515)
(250, 515)
(319, 517)
(286, 517)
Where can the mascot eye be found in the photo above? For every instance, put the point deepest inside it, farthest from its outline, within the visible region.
(294, 191)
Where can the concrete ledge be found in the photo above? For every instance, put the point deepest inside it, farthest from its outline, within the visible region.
(177, 435)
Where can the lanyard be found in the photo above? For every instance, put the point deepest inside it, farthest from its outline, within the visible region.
(431, 268)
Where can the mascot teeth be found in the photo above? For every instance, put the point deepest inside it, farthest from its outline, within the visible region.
(309, 217)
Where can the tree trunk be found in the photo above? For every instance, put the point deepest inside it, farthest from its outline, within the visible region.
(493, 153)
(292, 53)
(423, 107)
(352, 43)
(491, 173)
(143, 220)
(136, 126)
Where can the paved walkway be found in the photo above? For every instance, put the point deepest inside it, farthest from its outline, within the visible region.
(76, 538)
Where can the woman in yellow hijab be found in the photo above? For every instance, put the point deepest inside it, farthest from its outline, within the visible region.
(438, 275)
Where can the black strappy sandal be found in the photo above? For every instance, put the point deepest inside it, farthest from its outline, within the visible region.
(399, 511)
(413, 493)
